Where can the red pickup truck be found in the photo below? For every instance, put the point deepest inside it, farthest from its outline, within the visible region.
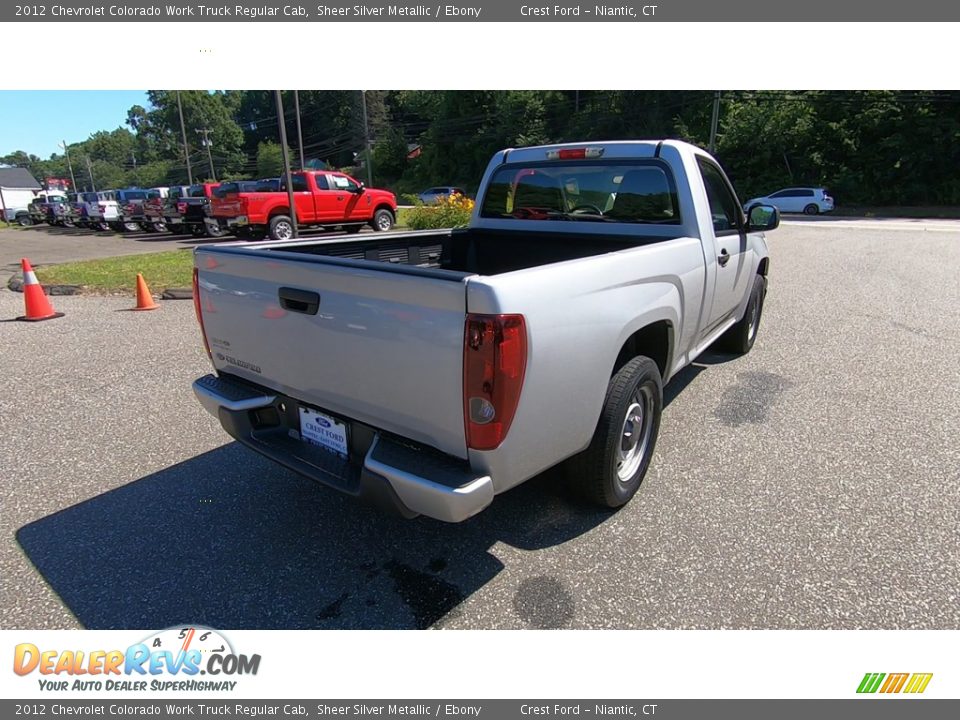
(322, 198)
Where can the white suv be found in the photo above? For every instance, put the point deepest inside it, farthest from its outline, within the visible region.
(809, 201)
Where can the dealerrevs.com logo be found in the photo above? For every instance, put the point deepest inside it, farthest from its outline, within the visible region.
(172, 659)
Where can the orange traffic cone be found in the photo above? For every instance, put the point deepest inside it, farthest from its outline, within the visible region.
(144, 298)
(38, 307)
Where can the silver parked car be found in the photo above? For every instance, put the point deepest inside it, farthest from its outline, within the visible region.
(809, 201)
(436, 194)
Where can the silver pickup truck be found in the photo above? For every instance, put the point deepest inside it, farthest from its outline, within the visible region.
(431, 370)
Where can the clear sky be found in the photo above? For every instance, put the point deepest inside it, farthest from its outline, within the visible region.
(35, 121)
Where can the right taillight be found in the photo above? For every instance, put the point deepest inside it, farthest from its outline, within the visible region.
(182, 208)
(494, 362)
(196, 307)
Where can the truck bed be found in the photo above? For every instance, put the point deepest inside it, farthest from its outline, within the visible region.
(470, 252)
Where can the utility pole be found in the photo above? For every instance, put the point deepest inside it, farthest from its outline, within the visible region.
(296, 104)
(366, 138)
(206, 142)
(93, 185)
(186, 148)
(133, 156)
(66, 151)
(713, 122)
(286, 163)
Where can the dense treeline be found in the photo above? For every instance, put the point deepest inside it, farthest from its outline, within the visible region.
(868, 147)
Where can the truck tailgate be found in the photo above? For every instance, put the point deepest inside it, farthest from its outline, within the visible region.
(380, 347)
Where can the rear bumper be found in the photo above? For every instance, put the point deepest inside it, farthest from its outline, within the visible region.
(397, 475)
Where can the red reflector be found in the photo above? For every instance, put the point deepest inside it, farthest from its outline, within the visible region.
(494, 362)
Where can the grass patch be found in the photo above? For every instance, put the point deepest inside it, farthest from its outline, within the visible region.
(162, 270)
(403, 218)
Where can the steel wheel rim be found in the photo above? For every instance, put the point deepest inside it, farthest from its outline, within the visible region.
(284, 231)
(635, 434)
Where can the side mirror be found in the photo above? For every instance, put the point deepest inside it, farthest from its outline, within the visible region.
(762, 217)
(360, 188)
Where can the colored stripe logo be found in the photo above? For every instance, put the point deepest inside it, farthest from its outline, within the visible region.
(914, 683)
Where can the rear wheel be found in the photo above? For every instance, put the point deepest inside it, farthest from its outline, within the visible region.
(281, 228)
(214, 231)
(811, 209)
(132, 227)
(382, 220)
(609, 472)
(24, 221)
(105, 226)
(159, 227)
(739, 339)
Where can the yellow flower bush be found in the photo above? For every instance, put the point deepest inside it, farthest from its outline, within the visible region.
(449, 211)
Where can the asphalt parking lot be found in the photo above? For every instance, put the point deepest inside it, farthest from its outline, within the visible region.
(814, 483)
(43, 244)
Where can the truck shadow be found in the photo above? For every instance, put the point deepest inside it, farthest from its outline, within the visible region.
(229, 540)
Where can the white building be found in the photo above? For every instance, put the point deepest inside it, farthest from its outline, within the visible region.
(17, 190)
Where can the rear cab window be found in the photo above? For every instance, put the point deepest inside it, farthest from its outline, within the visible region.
(619, 191)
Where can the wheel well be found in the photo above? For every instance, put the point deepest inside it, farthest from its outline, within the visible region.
(278, 211)
(652, 341)
(763, 266)
(389, 209)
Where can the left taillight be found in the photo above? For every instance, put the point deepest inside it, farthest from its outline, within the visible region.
(494, 363)
(197, 308)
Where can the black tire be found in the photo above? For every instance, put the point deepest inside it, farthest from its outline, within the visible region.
(811, 209)
(159, 227)
(610, 471)
(739, 339)
(131, 227)
(24, 220)
(198, 231)
(218, 232)
(352, 229)
(382, 220)
(281, 228)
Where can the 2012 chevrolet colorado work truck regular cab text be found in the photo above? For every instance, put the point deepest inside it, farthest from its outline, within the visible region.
(432, 370)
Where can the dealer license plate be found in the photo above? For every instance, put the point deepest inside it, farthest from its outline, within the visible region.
(319, 429)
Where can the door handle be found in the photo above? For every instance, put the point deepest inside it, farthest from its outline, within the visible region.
(339, 197)
(301, 301)
(723, 258)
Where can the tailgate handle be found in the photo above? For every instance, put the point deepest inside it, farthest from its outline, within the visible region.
(301, 301)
